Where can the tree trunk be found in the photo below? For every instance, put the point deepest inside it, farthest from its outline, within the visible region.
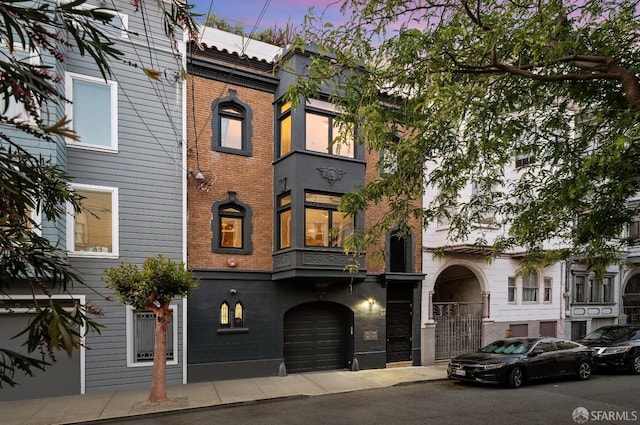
(158, 391)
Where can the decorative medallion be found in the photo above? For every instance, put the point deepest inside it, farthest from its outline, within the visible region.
(332, 174)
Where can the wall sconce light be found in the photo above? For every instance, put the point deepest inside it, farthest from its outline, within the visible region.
(233, 291)
(371, 302)
(231, 262)
(200, 176)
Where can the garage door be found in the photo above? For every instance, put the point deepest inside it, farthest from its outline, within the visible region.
(315, 337)
(61, 378)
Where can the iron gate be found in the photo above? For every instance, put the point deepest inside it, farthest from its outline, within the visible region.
(458, 328)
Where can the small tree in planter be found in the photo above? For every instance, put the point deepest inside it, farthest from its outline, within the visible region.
(152, 288)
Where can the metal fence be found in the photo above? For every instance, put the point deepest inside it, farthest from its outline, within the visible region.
(633, 315)
(458, 328)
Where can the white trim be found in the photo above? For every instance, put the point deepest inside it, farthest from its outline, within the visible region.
(182, 50)
(115, 224)
(113, 86)
(79, 298)
(33, 57)
(108, 32)
(184, 341)
(130, 336)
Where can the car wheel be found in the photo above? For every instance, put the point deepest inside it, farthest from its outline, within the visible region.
(635, 364)
(516, 377)
(584, 370)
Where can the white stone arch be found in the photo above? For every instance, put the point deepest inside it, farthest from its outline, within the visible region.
(431, 278)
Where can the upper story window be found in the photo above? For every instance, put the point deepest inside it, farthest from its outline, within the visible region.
(324, 134)
(530, 287)
(117, 27)
(607, 289)
(284, 221)
(511, 288)
(231, 226)
(93, 112)
(94, 230)
(487, 217)
(284, 129)
(590, 289)
(634, 230)
(231, 125)
(16, 109)
(522, 160)
(548, 290)
(325, 226)
(579, 289)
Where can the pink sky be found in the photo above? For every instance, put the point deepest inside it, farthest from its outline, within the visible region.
(277, 13)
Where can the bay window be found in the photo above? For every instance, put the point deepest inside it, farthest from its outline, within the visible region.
(325, 226)
(324, 134)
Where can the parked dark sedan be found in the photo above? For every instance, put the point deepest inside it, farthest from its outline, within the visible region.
(512, 361)
(615, 347)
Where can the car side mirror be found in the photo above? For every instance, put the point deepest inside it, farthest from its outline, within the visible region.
(536, 353)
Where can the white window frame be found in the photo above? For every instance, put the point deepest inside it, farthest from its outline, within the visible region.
(547, 287)
(131, 361)
(124, 18)
(115, 239)
(34, 59)
(113, 85)
(535, 287)
(37, 221)
(510, 288)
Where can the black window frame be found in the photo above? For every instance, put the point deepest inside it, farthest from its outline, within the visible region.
(331, 115)
(219, 110)
(244, 212)
(284, 111)
(280, 210)
(331, 208)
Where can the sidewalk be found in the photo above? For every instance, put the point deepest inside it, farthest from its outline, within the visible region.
(117, 404)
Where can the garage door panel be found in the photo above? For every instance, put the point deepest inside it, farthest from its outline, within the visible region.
(60, 378)
(314, 338)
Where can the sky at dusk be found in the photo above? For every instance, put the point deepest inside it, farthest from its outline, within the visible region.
(267, 13)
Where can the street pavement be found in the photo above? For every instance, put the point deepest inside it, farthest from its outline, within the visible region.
(88, 408)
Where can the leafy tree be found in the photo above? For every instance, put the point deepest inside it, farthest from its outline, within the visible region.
(469, 87)
(152, 287)
(28, 261)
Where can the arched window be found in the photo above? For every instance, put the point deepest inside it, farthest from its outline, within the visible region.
(238, 315)
(232, 320)
(231, 125)
(224, 315)
(400, 248)
(231, 226)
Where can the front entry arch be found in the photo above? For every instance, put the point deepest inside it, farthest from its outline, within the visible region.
(315, 337)
(457, 311)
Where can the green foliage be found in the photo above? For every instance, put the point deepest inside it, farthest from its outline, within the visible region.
(159, 279)
(29, 261)
(277, 36)
(470, 87)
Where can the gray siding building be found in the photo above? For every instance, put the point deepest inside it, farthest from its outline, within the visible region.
(128, 166)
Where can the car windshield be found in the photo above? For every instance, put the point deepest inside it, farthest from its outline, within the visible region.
(507, 347)
(611, 334)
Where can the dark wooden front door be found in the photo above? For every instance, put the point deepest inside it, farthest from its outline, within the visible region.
(399, 321)
(398, 331)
